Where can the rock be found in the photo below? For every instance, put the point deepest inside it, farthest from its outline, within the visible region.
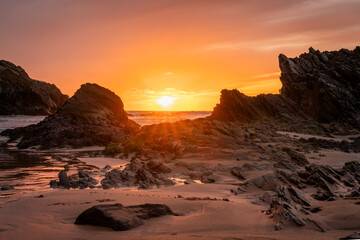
(281, 212)
(237, 172)
(106, 168)
(82, 180)
(19, 94)
(290, 177)
(235, 106)
(324, 196)
(284, 205)
(355, 235)
(121, 218)
(157, 167)
(355, 193)
(286, 165)
(254, 166)
(353, 168)
(297, 158)
(208, 179)
(322, 176)
(64, 180)
(93, 116)
(143, 174)
(270, 196)
(293, 195)
(265, 182)
(83, 174)
(324, 84)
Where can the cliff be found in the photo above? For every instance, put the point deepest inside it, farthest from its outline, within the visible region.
(326, 85)
(19, 94)
(236, 106)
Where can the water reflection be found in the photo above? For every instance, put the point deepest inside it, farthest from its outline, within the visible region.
(28, 171)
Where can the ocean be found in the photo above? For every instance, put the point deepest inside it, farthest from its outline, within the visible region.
(32, 171)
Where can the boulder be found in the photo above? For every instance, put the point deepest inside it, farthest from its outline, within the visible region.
(19, 94)
(93, 116)
(64, 180)
(121, 218)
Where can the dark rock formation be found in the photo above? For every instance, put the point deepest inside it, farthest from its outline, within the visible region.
(143, 174)
(19, 94)
(81, 180)
(326, 85)
(236, 106)
(121, 218)
(93, 116)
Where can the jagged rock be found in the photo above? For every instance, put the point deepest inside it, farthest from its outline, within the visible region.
(297, 158)
(292, 195)
(353, 168)
(82, 180)
(158, 167)
(286, 165)
(64, 180)
(19, 94)
(254, 166)
(326, 85)
(270, 196)
(93, 116)
(284, 206)
(355, 193)
(208, 178)
(106, 168)
(235, 106)
(343, 145)
(139, 173)
(291, 177)
(281, 212)
(238, 190)
(237, 172)
(121, 218)
(322, 176)
(265, 182)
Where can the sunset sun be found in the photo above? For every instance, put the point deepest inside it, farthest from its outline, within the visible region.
(165, 101)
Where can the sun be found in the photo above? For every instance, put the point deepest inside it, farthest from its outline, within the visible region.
(165, 101)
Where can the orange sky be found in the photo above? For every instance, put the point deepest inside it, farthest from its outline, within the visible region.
(189, 50)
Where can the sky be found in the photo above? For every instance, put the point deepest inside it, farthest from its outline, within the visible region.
(183, 50)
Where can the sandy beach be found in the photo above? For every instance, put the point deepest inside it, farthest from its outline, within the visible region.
(239, 218)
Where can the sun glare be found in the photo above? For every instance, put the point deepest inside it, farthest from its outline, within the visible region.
(165, 101)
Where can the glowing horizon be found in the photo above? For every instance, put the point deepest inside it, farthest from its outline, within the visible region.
(189, 50)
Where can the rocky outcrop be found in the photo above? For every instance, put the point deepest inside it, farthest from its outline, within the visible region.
(144, 174)
(19, 94)
(121, 218)
(93, 116)
(81, 180)
(326, 85)
(236, 106)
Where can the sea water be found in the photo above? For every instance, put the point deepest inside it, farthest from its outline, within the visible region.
(32, 171)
